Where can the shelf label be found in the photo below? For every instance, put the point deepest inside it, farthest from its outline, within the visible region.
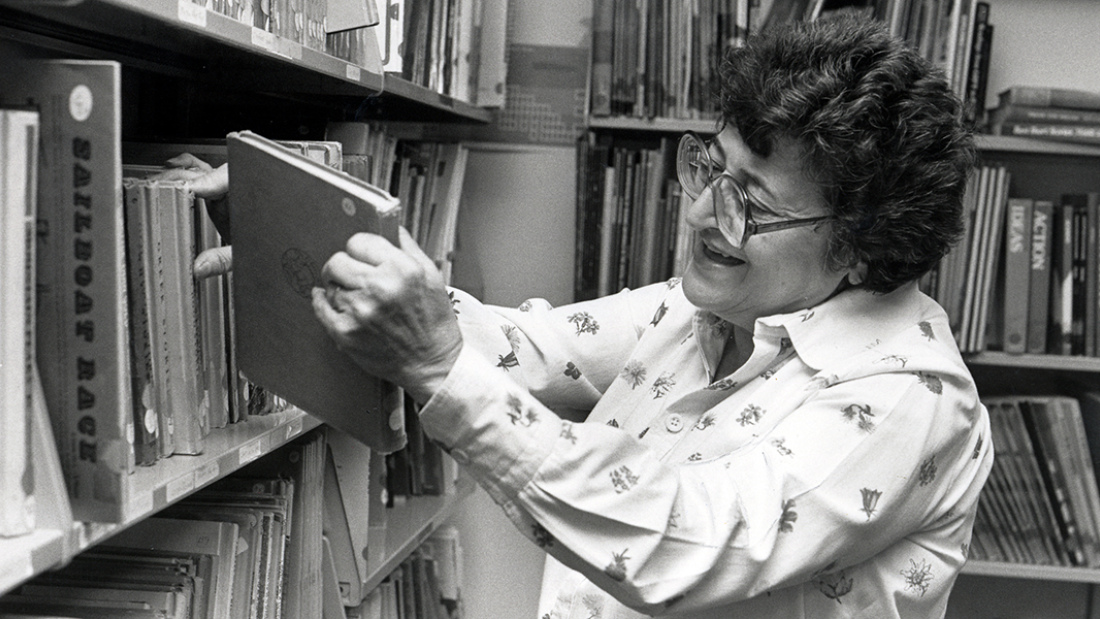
(191, 13)
(353, 72)
(179, 487)
(264, 39)
(250, 451)
(207, 473)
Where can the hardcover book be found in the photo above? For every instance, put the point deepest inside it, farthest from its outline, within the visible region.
(1042, 227)
(1017, 273)
(82, 341)
(1073, 98)
(18, 205)
(290, 214)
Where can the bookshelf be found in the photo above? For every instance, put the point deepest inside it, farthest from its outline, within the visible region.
(58, 539)
(190, 73)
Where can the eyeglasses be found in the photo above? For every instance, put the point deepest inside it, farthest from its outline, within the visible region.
(733, 209)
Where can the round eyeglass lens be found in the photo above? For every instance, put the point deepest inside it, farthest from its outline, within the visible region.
(693, 165)
(729, 209)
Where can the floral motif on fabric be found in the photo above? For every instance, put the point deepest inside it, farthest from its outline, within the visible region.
(788, 517)
(659, 314)
(623, 479)
(508, 361)
(634, 374)
(870, 501)
(541, 536)
(664, 383)
(918, 576)
(927, 472)
(519, 414)
(931, 381)
(584, 322)
(834, 586)
(572, 371)
(861, 415)
(750, 415)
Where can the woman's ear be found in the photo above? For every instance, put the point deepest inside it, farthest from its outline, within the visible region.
(857, 274)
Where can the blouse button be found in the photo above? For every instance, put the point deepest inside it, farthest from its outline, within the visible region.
(674, 423)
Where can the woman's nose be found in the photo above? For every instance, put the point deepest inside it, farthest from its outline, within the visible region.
(699, 213)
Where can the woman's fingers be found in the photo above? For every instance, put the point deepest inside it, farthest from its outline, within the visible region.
(214, 261)
(189, 161)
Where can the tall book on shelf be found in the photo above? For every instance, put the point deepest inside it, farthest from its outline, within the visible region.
(1039, 296)
(82, 342)
(1016, 275)
(18, 205)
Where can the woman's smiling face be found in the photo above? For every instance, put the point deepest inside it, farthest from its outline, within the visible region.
(773, 272)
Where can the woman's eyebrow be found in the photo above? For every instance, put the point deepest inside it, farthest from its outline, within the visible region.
(753, 178)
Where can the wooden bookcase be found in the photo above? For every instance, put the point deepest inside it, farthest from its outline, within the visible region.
(190, 73)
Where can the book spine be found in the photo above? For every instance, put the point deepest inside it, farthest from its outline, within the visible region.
(1017, 273)
(603, 16)
(1042, 219)
(1075, 133)
(1092, 274)
(1051, 97)
(978, 64)
(1046, 115)
(146, 430)
(1062, 288)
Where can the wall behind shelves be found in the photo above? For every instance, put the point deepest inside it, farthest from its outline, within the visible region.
(1049, 43)
(516, 241)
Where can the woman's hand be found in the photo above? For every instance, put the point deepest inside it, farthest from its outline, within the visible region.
(387, 307)
(211, 184)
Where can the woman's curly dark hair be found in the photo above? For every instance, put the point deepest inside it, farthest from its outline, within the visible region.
(882, 134)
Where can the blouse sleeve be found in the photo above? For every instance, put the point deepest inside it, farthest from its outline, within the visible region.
(860, 465)
(565, 356)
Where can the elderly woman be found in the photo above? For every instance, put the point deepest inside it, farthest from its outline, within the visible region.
(788, 430)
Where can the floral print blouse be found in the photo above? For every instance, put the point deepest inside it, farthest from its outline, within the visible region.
(835, 474)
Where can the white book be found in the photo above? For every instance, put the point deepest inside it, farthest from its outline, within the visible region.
(18, 184)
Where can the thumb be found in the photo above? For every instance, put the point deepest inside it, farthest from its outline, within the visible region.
(214, 261)
(408, 245)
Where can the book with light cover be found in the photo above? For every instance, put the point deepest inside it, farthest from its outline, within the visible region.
(289, 215)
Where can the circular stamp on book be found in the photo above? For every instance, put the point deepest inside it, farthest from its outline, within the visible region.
(301, 271)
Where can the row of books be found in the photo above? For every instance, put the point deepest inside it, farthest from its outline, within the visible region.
(1047, 113)
(1050, 259)
(630, 230)
(305, 22)
(335, 27)
(454, 47)
(1041, 505)
(1024, 278)
(426, 585)
(659, 59)
(963, 282)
